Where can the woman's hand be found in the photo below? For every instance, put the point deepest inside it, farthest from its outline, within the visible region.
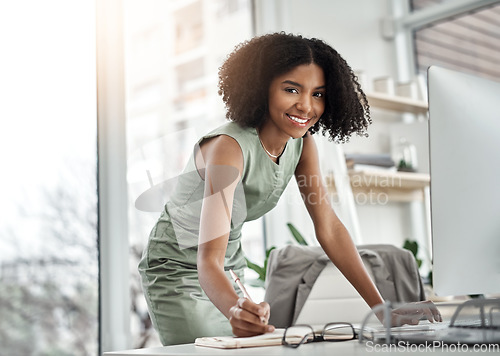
(412, 313)
(250, 319)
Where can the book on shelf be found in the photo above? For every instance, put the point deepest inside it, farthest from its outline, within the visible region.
(361, 162)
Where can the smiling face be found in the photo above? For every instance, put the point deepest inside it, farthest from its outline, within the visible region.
(296, 100)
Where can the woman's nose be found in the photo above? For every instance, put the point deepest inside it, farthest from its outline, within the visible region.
(304, 104)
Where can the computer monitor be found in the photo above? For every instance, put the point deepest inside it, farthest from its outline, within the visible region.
(464, 138)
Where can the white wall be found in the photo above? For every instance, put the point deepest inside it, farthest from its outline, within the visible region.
(353, 28)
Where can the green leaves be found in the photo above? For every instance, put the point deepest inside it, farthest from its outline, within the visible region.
(268, 253)
(413, 247)
(261, 270)
(297, 235)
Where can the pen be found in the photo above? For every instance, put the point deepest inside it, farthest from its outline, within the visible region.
(240, 285)
(242, 288)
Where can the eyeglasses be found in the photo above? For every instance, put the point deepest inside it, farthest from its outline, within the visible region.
(297, 335)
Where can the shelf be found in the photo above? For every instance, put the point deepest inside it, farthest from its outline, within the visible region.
(379, 187)
(396, 103)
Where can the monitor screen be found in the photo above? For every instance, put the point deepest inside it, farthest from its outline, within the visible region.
(464, 139)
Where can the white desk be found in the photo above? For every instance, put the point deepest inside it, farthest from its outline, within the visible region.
(345, 348)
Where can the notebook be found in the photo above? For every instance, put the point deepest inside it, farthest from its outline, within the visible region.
(231, 342)
(269, 339)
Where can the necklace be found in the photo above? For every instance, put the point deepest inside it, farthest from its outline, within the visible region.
(269, 153)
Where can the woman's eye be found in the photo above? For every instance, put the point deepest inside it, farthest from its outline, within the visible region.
(319, 95)
(291, 90)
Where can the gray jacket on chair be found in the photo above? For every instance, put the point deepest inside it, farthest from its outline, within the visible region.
(293, 270)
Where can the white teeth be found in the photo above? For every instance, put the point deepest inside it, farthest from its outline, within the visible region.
(296, 119)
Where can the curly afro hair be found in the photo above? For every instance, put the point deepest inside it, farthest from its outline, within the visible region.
(254, 64)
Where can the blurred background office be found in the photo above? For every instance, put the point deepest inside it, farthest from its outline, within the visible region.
(102, 101)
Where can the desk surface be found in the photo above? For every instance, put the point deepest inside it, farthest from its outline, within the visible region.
(318, 348)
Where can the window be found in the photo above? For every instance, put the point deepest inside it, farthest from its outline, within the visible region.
(48, 230)
(173, 51)
(468, 42)
(188, 27)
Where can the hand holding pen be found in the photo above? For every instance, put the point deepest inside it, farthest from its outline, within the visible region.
(248, 318)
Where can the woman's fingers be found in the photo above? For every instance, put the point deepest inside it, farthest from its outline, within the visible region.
(248, 318)
(243, 328)
(404, 319)
(430, 311)
(244, 332)
(434, 311)
(412, 313)
(267, 311)
(256, 310)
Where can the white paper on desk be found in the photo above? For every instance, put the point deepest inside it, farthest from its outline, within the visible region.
(230, 342)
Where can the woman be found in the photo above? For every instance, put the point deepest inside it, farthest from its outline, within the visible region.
(279, 89)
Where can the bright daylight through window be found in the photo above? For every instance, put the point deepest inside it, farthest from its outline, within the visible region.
(173, 50)
(468, 42)
(48, 204)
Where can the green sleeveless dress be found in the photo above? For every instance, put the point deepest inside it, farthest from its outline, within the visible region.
(180, 310)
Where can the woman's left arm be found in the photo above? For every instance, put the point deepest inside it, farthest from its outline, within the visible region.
(330, 232)
(337, 243)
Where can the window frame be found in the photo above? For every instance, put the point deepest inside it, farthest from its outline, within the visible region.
(402, 22)
(112, 186)
(114, 306)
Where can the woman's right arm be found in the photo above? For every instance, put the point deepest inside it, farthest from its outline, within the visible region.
(223, 163)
